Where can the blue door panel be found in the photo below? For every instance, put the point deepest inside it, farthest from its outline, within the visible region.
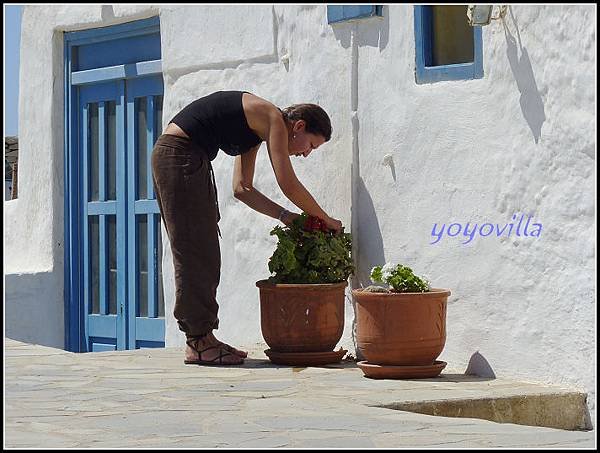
(99, 346)
(99, 92)
(115, 52)
(146, 305)
(139, 316)
(145, 86)
(102, 326)
(150, 330)
(102, 223)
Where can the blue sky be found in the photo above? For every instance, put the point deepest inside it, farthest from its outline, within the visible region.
(12, 38)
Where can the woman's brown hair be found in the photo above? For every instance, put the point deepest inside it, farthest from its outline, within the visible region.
(316, 119)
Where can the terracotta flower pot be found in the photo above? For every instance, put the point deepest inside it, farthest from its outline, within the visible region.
(301, 317)
(402, 329)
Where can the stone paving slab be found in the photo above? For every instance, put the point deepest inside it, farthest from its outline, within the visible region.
(148, 398)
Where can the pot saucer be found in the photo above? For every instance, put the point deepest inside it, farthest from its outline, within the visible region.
(305, 358)
(374, 371)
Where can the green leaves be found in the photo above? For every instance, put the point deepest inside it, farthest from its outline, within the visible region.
(401, 279)
(376, 276)
(307, 254)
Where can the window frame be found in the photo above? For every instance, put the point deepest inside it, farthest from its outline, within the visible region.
(344, 13)
(432, 74)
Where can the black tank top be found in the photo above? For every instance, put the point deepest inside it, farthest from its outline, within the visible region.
(218, 121)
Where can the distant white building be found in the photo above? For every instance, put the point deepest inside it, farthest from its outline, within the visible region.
(499, 125)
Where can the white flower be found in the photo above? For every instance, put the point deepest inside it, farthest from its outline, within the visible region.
(426, 280)
(387, 270)
(388, 267)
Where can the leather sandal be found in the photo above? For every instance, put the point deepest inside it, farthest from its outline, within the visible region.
(217, 361)
(231, 349)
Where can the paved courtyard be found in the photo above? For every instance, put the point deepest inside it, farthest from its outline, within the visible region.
(149, 398)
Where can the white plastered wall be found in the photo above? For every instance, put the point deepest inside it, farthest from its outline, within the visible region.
(257, 67)
(519, 141)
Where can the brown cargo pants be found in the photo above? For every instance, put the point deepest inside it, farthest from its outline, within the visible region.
(187, 198)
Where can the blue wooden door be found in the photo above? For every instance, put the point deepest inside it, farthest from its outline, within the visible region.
(113, 110)
(123, 306)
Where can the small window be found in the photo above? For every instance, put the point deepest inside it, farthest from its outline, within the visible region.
(447, 47)
(340, 13)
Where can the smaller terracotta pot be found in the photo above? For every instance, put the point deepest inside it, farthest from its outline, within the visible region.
(301, 317)
(405, 329)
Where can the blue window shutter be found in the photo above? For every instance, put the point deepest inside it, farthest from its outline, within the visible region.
(339, 13)
(334, 14)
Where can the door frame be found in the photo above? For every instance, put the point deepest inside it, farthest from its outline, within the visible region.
(73, 258)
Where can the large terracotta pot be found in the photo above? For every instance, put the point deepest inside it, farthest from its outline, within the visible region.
(401, 328)
(301, 317)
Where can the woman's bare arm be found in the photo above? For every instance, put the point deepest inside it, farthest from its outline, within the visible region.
(243, 187)
(266, 120)
(292, 188)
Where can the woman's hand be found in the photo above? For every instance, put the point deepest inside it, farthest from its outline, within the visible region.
(289, 217)
(333, 224)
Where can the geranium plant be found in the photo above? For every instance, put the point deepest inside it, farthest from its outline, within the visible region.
(399, 278)
(308, 253)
